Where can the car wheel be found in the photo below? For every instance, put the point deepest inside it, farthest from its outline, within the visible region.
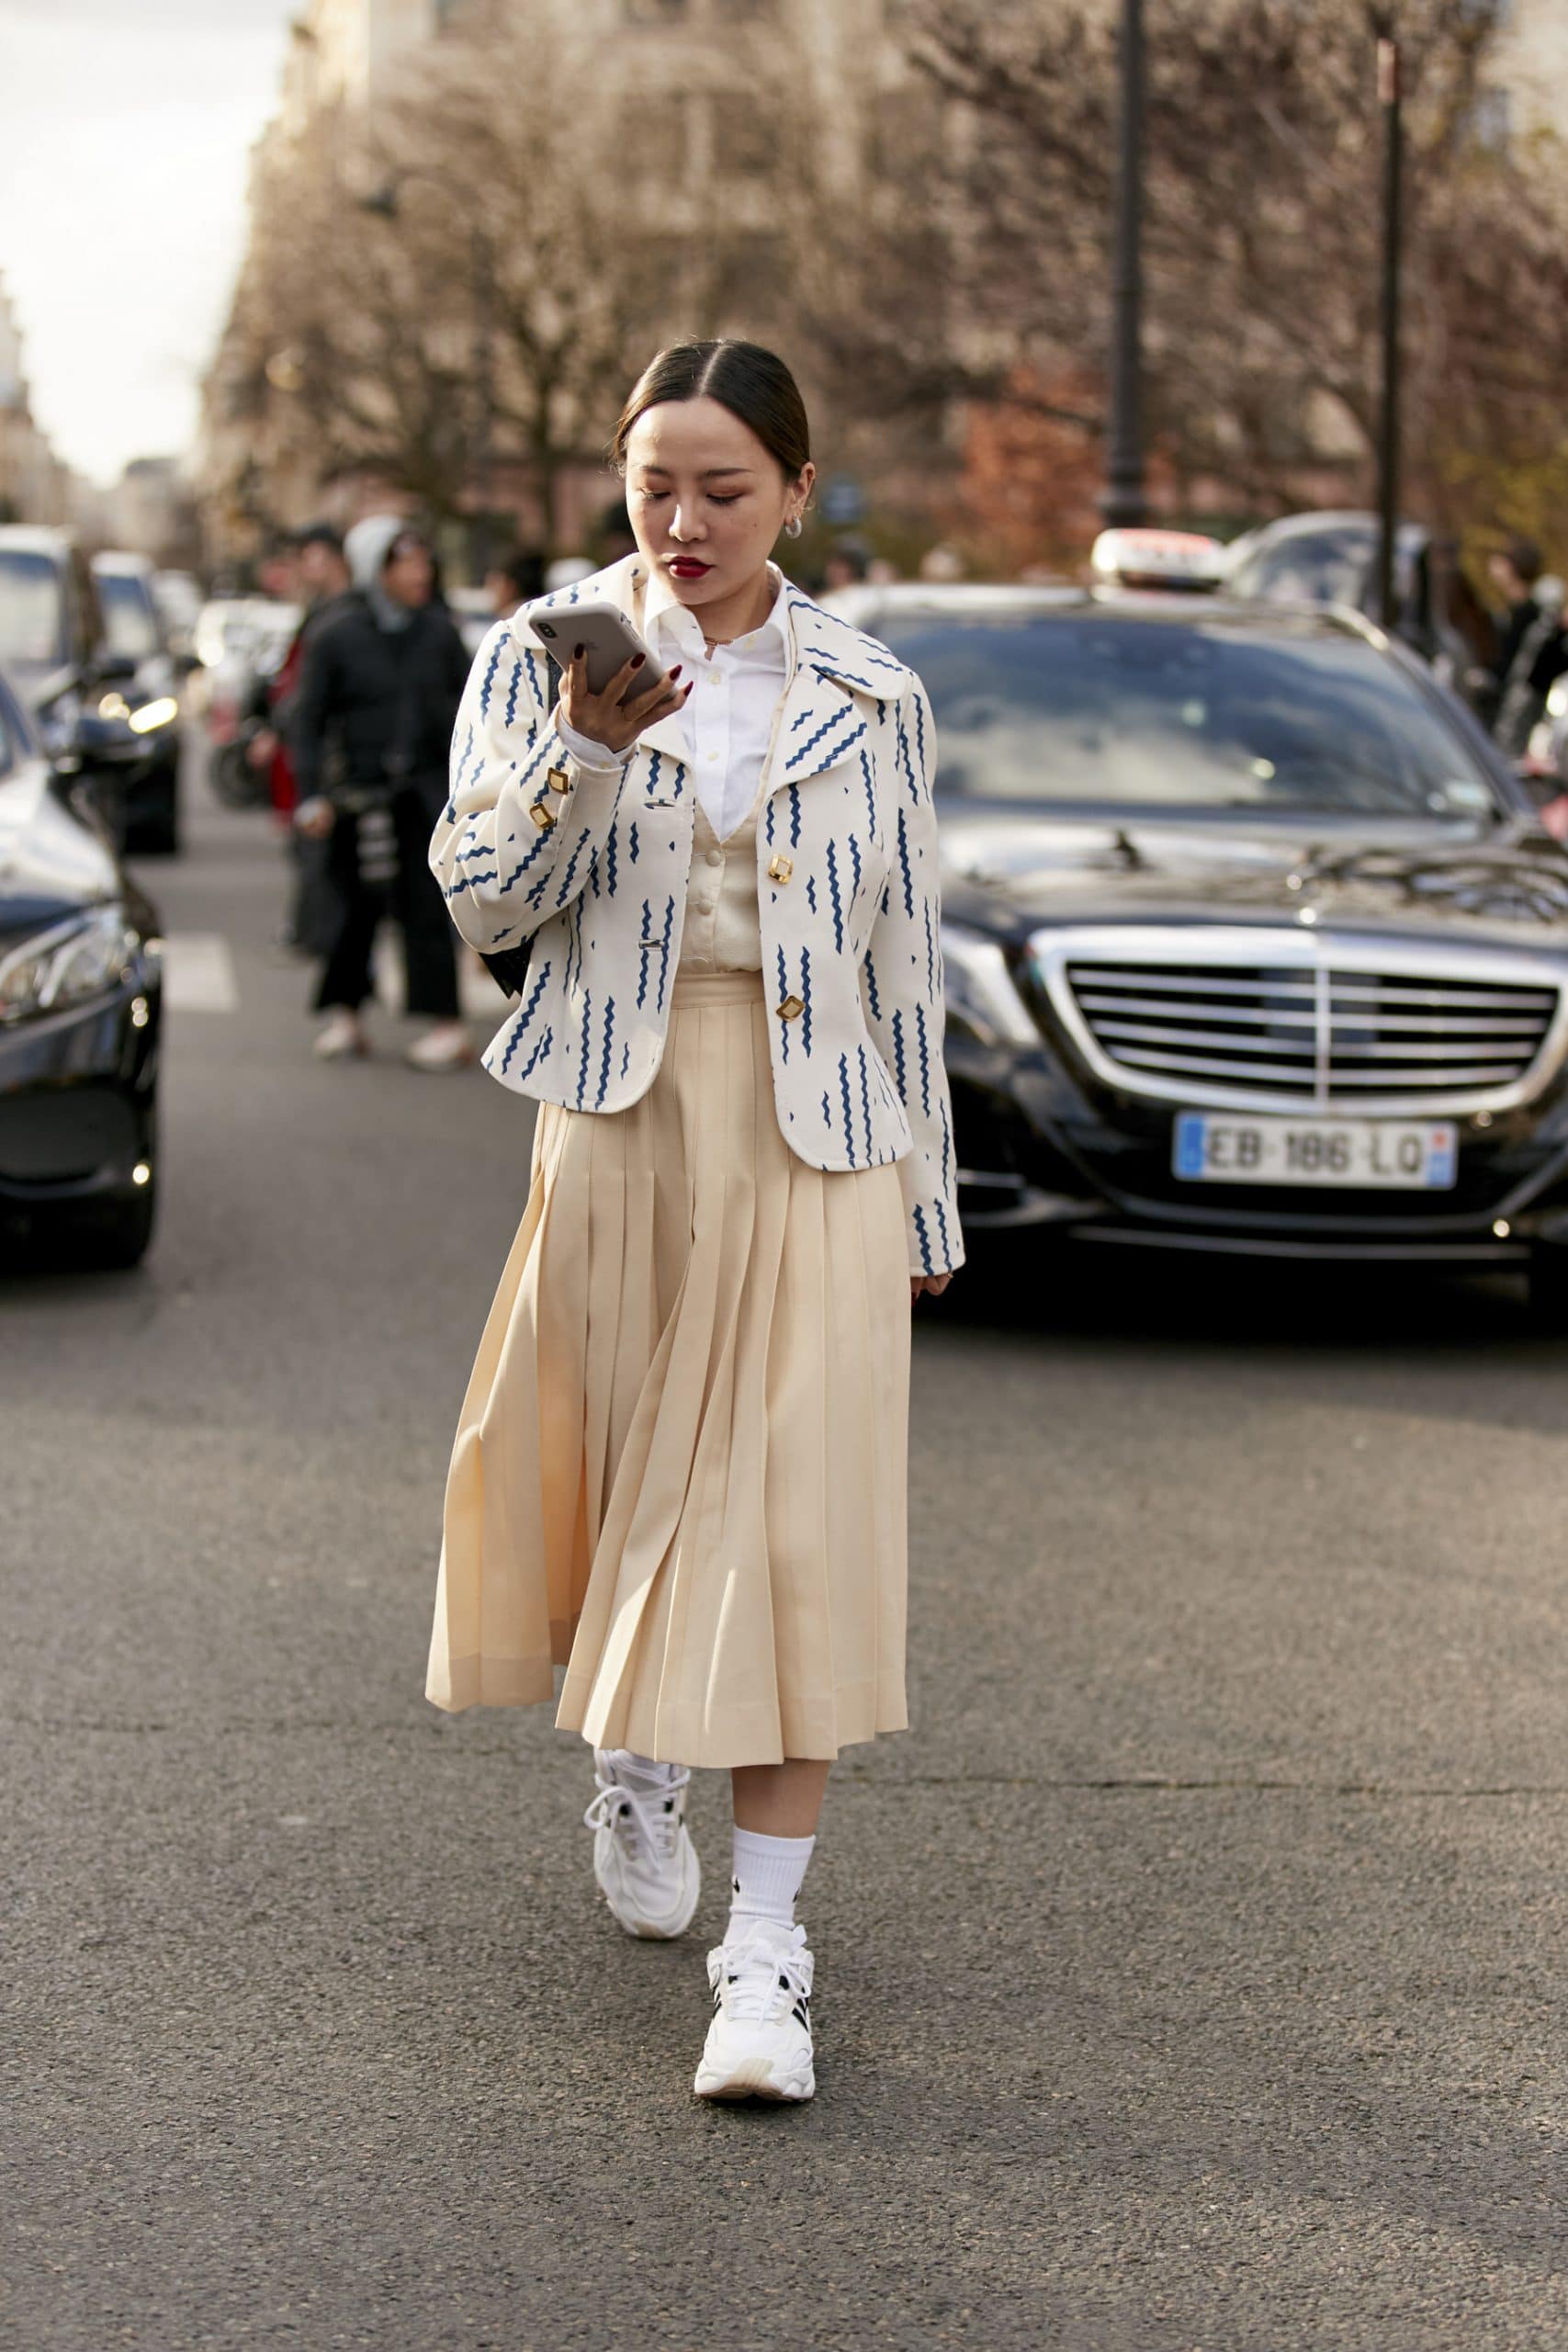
(1548, 1285)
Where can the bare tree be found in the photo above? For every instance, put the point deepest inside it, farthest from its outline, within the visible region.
(1262, 161)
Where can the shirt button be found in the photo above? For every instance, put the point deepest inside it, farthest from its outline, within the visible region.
(715, 857)
(712, 755)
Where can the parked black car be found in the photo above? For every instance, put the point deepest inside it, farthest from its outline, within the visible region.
(90, 659)
(1252, 942)
(80, 997)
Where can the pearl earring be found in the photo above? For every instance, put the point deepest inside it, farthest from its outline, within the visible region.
(794, 527)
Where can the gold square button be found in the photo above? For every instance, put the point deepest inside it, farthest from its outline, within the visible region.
(780, 868)
(543, 815)
(559, 780)
(791, 1006)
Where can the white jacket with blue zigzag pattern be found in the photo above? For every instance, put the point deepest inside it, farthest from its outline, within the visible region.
(848, 897)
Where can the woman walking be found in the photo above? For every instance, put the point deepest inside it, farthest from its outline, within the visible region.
(680, 1467)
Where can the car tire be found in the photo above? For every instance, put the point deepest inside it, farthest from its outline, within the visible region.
(1548, 1285)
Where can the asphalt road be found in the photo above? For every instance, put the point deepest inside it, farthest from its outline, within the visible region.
(1189, 1979)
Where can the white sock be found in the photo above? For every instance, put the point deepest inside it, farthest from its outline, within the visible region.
(768, 1876)
(638, 1773)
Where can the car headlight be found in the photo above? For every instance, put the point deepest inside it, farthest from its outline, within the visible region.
(73, 960)
(980, 991)
(161, 712)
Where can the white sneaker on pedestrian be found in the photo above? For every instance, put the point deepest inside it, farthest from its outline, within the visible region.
(446, 1047)
(643, 1855)
(759, 2045)
(341, 1035)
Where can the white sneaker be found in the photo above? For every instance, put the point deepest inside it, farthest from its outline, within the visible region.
(643, 1855)
(446, 1047)
(759, 2045)
(341, 1035)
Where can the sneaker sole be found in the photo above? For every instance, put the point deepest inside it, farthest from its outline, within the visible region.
(755, 2081)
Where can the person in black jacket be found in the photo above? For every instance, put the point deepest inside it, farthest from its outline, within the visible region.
(369, 730)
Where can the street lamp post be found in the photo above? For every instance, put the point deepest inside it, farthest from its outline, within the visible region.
(1122, 502)
(1390, 100)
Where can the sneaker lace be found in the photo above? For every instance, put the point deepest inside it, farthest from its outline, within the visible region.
(761, 1974)
(646, 1821)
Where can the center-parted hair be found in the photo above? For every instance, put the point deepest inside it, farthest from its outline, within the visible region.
(752, 383)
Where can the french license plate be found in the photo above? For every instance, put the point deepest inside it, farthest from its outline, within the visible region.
(1367, 1155)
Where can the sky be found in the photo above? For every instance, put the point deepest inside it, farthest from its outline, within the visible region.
(125, 130)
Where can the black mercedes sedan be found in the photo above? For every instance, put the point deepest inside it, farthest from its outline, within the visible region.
(1252, 944)
(80, 997)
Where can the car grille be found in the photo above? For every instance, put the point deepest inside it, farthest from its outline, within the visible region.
(1338, 1032)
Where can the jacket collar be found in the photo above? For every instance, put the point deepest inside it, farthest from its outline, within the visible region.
(838, 677)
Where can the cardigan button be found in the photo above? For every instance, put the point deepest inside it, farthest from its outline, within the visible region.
(543, 816)
(790, 1008)
(780, 868)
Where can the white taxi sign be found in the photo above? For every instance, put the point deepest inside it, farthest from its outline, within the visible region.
(1157, 559)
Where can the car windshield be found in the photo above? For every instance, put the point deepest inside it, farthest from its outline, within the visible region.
(130, 619)
(30, 608)
(1099, 709)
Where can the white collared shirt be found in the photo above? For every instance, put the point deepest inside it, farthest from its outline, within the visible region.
(728, 716)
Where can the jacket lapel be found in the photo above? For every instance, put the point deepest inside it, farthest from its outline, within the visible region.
(827, 713)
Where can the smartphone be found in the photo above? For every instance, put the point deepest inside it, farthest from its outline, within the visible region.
(610, 638)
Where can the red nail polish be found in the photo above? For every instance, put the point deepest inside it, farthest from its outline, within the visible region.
(578, 652)
(638, 661)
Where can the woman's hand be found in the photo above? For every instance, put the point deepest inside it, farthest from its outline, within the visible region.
(935, 1284)
(610, 719)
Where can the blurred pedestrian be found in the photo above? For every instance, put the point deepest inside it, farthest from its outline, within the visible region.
(370, 729)
(320, 581)
(680, 1469)
(1540, 659)
(1513, 571)
(847, 562)
(514, 579)
(616, 537)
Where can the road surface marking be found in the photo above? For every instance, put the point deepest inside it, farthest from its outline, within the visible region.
(198, 972)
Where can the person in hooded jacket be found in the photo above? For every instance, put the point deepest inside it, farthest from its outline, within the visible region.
(370, 731)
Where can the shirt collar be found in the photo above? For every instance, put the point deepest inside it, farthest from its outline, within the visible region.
(768, 644)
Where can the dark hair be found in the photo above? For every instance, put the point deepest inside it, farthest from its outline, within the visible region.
(323, 535)
(1525, 559)
(523, 570)
(752, 383)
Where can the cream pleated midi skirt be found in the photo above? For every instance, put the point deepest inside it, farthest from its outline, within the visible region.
(681, 1468)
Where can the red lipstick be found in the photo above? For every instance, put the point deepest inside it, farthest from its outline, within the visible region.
(688, 567)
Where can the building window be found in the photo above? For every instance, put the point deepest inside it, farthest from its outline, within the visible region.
(742, 135)
(657, 142)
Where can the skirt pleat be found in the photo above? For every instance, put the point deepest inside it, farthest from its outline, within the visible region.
(680, 1465)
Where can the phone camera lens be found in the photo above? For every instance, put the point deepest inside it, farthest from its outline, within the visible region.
(546, 630)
